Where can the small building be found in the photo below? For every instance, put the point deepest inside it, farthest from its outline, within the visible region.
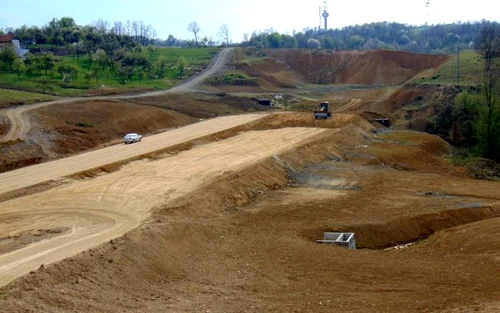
(7, 40)
(12, 40)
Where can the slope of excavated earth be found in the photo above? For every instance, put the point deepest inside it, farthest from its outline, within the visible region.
(235, 229)
(69, 128)
(108, 206)
(379, 67)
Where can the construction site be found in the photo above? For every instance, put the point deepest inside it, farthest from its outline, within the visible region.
(307, 185)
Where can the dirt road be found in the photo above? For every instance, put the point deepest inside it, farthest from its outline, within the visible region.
(348, 106)
(44, 172)
(20, 124)
(108, 206)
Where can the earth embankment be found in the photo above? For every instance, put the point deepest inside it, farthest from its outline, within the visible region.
(370, 67)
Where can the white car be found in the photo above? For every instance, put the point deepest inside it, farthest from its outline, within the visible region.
(131, 138)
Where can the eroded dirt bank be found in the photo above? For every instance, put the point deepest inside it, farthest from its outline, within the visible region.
(245, 241)
(370, 67)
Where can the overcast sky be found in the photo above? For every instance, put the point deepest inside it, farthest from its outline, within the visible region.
(172, 16)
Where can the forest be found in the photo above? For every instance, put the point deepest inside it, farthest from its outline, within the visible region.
(434, 39)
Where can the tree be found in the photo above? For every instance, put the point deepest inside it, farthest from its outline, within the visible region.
(47, 61)
(125, 73)
(313, 43)
(151, 51)
(195, 29)
(100, 58)
(224, 33)
(44, 84)
(464, 117)
(355, 42)
(67, 71)
(274, 40)
(8, 56)
(95, 72)
(182, 63)
(87, 75)
(34, 64)
(488, 46)
(19, 67)
(161, 66)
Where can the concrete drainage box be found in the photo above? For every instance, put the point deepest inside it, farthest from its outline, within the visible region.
(346, 240)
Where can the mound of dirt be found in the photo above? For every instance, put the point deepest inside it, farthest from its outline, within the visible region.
(409, 94)
(19, 154)
(379, 67)
(271, 73)
(432, 144)
(416, 228)
(307, 120)
(203, 105)
(82, 126)
(484, 168)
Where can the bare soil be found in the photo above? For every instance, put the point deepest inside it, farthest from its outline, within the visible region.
(228, 222)
(368, 67)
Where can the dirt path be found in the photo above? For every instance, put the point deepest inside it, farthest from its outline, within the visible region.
(109, 206)
(348, 106)
(20, 125)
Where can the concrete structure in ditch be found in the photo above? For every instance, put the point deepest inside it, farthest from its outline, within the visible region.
(346, 240)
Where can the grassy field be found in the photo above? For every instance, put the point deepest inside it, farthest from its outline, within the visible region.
(108, 82)
(13, 97)
(471, 65)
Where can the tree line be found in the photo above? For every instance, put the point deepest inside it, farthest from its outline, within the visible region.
(123, 51)
(471, 120)
(65, 31)
(435, 39)
(123, 65)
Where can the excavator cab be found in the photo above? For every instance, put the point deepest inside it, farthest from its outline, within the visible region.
(323, 111)
(324, 106)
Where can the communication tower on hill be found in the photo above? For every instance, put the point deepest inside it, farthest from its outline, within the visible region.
(427, 2)
(325, 15)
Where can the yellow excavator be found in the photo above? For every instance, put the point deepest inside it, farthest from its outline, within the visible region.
(323, 111)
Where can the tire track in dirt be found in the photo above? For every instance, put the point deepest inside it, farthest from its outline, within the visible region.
(108, 206)
(49, 171)
(20, 125)
(348, 106)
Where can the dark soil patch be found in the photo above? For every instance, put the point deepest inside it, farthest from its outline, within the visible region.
(11, 243)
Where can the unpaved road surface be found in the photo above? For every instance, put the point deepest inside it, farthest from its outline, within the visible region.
(44, 172)
(20, 125)
(108, 206)
(348, 106)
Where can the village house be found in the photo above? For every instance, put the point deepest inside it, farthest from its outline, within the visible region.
(11, 39)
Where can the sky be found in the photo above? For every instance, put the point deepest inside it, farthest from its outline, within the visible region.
(172, 17)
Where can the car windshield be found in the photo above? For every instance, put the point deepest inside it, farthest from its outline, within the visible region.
(130, 135)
